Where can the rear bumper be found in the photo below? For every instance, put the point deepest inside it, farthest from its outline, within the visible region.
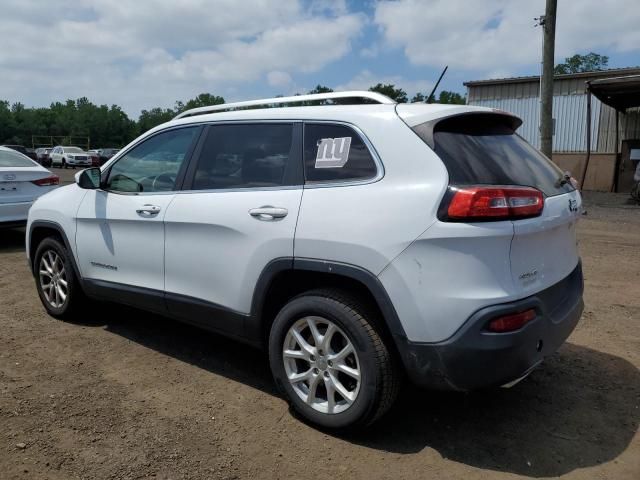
(475, 358)
(12, 214)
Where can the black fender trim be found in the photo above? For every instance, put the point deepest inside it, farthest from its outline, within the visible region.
(255, 324)
(368, 279)
(58, 228)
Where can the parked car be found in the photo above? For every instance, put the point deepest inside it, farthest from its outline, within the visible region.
(69, 157)
(21, 181)
(95, 157)
(42, 155)
(350, 241)
(106, 154)
(29, 152)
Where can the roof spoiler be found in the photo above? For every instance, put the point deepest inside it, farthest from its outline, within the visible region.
(427, 129)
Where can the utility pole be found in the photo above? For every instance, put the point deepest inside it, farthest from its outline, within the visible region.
(548, 24)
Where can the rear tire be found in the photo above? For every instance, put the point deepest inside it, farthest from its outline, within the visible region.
(64, 164)
(323, 384)
(56, 282)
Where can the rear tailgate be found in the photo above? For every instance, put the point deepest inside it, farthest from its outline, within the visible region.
(544, 249)
(481, 149)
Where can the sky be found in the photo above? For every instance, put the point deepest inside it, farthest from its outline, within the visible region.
(142, 54)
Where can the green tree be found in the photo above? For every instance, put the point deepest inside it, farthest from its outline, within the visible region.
(451, 97)
(590, 62)
(320, 89)
(154, 117)
(445, 96)
(202, 100)
(390, 90)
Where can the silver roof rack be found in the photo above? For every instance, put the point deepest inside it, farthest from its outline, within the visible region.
(375, 96)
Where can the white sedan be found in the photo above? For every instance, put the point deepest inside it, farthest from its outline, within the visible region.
(21, 181)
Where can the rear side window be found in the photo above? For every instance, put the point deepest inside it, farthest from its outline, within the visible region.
(248, 156)
(483, 149)
(335, 153)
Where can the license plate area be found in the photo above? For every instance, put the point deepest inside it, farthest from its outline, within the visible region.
(8, 187)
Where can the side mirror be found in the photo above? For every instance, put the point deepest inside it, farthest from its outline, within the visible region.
(89, 179)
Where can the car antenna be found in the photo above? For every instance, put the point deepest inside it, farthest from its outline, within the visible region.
(436, 85)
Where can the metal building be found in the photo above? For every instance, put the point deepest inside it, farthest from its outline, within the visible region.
(520, 95)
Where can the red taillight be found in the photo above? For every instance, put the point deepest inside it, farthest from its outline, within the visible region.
(494, 203)
(48, 181)
(509, 323)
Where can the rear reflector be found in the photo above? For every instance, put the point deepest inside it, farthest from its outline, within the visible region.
(48, 181)
(494, 203)
(512, 322)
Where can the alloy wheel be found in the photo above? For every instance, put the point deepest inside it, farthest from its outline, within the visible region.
(322, 365)
(53, 278)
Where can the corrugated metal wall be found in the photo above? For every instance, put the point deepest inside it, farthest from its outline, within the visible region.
(629, 127)
(569, 111)
(523, 89)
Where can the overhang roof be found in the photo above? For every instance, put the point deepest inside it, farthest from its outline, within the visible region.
(620, 93)
(617, 72)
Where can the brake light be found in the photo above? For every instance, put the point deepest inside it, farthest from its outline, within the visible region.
(512, 322)
(48, 181)
(494, 203)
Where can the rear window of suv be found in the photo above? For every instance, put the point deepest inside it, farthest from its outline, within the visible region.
(483, 149)
(14, 159)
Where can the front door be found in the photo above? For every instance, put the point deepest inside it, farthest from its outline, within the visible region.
(237, 212)
(120, 232)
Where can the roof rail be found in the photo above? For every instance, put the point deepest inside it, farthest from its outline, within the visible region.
(377, 97)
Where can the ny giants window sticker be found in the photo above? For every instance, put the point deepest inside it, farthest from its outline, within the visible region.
(333, 152)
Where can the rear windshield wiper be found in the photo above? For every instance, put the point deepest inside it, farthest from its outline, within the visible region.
(564, 179)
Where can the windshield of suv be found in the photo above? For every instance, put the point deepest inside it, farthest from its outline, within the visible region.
(72, 150)
(14, 159)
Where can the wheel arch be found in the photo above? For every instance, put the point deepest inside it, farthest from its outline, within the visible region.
(41, 229)
(284, 278)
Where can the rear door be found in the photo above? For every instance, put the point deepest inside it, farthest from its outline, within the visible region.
(483, 149)
(237, 213)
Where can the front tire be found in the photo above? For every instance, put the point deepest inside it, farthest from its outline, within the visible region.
(330, 362)
(56, 282)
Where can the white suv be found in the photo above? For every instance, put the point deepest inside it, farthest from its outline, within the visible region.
(69, 157)
(354, 242)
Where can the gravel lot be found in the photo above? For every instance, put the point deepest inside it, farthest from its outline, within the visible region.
(125, 394)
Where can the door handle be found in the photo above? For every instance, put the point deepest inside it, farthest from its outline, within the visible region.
(268, 213)
(148, 210)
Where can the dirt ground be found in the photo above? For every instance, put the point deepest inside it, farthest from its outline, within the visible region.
(126, 394)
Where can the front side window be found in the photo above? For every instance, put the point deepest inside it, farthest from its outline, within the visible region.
(335, 153)
(153, 165)
(247, 156)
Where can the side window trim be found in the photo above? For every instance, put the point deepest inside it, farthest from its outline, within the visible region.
(346, 183)
(181, 171)
(296, 175)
